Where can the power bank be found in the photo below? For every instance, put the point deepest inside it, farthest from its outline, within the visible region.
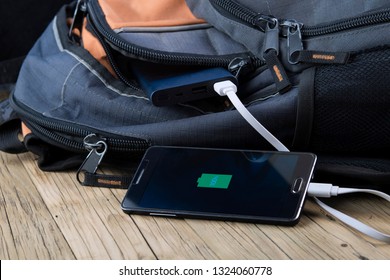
(170, 84)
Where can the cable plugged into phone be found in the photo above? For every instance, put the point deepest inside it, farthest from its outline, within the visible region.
(229, 89)
(328, 190)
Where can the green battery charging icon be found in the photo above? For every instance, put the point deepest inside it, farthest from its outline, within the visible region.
(217, 181)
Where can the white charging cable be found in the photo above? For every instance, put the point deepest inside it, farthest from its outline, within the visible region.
(229, 89)
(328, 190)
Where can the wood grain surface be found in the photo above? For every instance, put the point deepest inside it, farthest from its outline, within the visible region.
(50, 216)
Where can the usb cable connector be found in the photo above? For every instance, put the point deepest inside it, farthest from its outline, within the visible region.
(229, 89)
(322, 190)
(328, 190)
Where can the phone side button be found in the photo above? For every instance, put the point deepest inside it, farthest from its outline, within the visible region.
(162, 215)
(297, 185)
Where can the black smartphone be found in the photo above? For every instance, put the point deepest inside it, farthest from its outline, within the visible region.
(239, 185)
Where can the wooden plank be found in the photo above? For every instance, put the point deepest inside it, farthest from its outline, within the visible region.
(173, 238)
(260, 241)
(28, 229)
(203, 239)
(8, 247)
(199, 239)
(90, 218)
(50, 216)
(315, 237)
(233, 240)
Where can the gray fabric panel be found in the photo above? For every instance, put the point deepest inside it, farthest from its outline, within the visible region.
(309, 12)
(207, 41)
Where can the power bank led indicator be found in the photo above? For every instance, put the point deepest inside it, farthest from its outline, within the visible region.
(216, 181)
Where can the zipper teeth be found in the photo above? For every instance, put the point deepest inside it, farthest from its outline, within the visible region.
(111, 60)
(250, 17)
(47, 129)
(152, 55)
(56, 138)
(364, 20)
(121, 145)
(237, 10)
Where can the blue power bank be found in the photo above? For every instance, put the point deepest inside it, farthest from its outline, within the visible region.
(168, 85)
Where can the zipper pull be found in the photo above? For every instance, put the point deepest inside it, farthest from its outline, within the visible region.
(297, 54)
(77, 20)
(98, 148)
(240, 66)
(261, 21)
(271, 41)
(294, 40)
(270, 55)
(87, 176)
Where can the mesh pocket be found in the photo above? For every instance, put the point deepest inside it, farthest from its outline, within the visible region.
(351, 105)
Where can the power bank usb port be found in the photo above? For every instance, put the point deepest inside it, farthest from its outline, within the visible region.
(199, 90)
(171, 84)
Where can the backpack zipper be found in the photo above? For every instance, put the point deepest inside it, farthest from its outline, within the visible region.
(255, 19)
(293, 30)
(96, 17)
(373, 18)
(244, 15)
(54, 131)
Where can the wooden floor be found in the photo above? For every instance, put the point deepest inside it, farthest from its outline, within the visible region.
(50, 216)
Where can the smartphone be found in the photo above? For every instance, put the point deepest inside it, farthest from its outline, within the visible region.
(237, 185)
(172, 84)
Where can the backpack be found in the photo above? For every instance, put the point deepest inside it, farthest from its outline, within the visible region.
(315, 74)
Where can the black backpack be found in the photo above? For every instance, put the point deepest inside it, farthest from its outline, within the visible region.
(315, 74)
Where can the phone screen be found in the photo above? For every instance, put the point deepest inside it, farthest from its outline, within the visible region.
(236, 184)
